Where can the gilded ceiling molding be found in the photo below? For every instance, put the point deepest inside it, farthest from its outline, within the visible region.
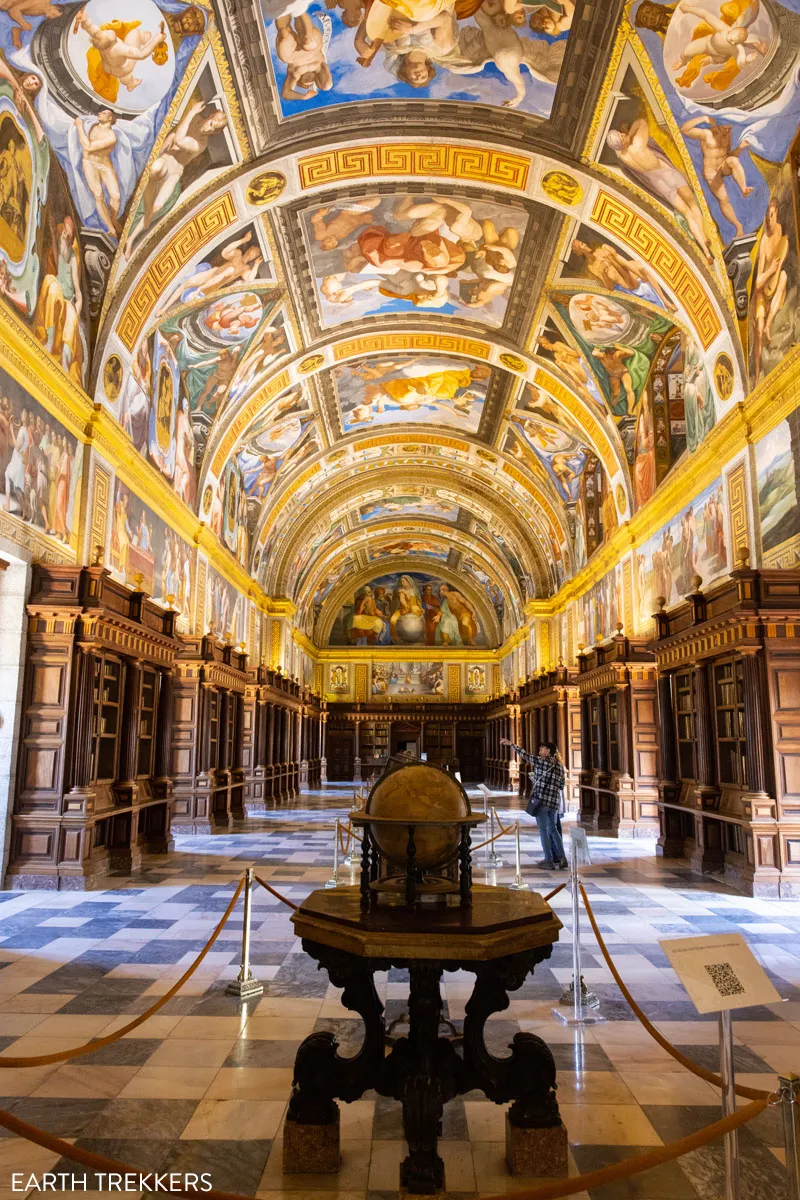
(452, 537)
(628, 50)
(362, 156)
(550, 511)
(36, 370)
(532, 546)
(216, 217)
(449, 161)
(212, 46)
(350, 585)
(342, 506)
(334, 351)
(614, 217)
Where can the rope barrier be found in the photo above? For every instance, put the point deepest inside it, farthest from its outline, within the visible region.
(640, 1162)
(275, 893)
(348, 831)
(548, 1191)
(43, 1060)
(554, 892)
(690, 1064)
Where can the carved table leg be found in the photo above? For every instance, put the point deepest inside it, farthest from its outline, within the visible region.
(422, 1172)
(527, 1076)
(321, 1074)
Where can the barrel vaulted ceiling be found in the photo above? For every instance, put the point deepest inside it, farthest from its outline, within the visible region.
(383, 288)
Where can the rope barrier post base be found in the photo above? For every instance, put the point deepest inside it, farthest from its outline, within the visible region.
(334, 879)
(245, 984)
(588, 999)
(790, 1110)
(726, 1071)
(518, 885)
(583, 1012)
(493, 859)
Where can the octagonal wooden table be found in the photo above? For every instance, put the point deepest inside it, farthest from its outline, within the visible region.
(500, 939)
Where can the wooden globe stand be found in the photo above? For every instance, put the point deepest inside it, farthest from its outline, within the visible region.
(413, 884)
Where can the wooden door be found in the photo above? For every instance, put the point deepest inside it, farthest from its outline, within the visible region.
(341, 752)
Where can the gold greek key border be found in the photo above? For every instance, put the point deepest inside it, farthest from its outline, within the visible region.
(435, 342)
(101, 498)
(413, 159)
(649, 243)
(362, 682)
(217, 216)
(548, 382)
(247, 414)
(737, 506)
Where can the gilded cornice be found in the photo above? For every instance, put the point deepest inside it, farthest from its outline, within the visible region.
(93, 425)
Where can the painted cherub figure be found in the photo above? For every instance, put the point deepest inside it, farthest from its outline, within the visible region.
(721, 41)
(116, 48)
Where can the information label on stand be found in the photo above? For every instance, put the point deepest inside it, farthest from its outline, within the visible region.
(581, 842)
(720, 972)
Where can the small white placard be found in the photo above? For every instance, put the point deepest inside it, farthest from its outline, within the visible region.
(719, 972)
(581, 842)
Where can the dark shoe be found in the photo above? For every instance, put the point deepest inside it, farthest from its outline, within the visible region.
(545, 866)
(563, 865)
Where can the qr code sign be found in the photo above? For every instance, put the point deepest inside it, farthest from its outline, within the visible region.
(725, 979)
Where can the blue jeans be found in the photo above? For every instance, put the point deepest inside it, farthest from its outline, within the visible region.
(552, 845)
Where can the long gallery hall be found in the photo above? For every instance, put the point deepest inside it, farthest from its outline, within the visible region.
(400, 599)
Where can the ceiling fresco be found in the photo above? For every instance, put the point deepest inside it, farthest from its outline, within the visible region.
(424, 290)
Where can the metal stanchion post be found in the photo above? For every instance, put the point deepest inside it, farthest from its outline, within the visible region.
(584, 1003)
(517, 885)
(245, 984)
(790, 1108)
(494, 860)
(729, 1105)
(347, 861)
(334, 879)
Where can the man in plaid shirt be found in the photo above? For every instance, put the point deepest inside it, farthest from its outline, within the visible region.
(547, 794)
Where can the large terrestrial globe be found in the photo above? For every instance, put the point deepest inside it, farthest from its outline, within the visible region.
(410, 628)
(418, 792)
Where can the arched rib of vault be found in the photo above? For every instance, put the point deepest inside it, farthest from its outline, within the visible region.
(349, 586)
(603, 204)
(388, 566)
(438, 337)
(446, 538)
(507, 518)
(533, 526)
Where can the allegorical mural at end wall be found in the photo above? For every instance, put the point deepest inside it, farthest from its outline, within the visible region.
(409, 609)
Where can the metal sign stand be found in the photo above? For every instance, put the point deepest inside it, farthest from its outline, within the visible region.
(790, 1107)
(726, 1071)
(334, 879)
(584, 1002)
(517, 885)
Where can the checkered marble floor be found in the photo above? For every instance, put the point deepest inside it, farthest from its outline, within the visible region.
(203, 1085)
